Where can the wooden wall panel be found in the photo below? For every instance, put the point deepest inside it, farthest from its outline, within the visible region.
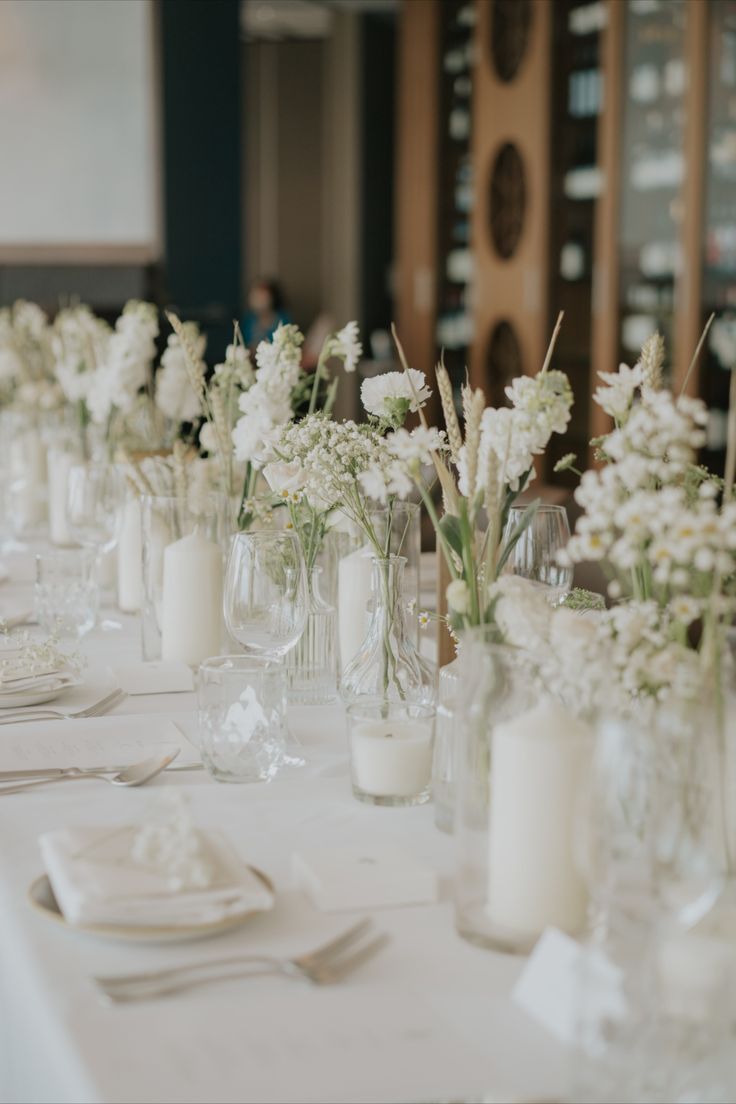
(518, 111)
(416, 180)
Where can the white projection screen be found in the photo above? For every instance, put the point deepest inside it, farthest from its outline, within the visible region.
(79, 157)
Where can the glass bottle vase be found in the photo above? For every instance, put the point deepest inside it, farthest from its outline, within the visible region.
(311, 665)
(388, 666)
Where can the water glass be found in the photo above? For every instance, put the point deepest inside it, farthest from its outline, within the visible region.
(534, 556)
(67, 594)
(266, 597)
(242, 714)
(391, 752)
(95, 493)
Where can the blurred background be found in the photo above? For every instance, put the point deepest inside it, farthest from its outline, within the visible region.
(465, 168)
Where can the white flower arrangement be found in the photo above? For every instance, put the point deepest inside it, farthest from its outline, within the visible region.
(652, 516)
(481, 471)
(26, 357)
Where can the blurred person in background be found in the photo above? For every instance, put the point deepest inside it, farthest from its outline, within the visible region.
(266, 310)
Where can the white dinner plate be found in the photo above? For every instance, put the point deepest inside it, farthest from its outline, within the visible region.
(42, 899)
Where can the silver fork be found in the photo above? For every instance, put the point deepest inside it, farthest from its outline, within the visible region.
(97, 710)
(325, 966)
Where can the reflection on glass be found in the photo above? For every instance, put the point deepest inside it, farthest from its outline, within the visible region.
(652, 170)
(719, 232)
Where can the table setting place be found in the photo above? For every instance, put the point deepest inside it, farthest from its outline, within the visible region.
(293, 809)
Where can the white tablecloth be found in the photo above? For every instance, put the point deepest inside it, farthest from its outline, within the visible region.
(430, 1018)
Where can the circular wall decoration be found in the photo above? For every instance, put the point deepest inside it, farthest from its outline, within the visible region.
(503, 361)
(511, 22)
(507, 200)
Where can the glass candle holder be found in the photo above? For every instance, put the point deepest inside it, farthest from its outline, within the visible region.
(391, 752)
(522, 763)
(242, 717)
(67, 593)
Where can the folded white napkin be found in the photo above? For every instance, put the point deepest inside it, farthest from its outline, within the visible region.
(96, 881)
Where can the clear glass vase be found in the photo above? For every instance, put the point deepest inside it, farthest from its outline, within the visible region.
(522, 763)
(654, 995)
(398, 530)
(388, 666)
(311, 665)
(445, 746)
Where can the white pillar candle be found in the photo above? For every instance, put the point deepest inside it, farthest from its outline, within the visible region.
(60, 463)
(28, 465)
(107, 570)
(130, 558)
(538, 763)
(191, 614)
(391, 758)
(354, 575)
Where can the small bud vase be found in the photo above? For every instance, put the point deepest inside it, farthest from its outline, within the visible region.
(388, 666)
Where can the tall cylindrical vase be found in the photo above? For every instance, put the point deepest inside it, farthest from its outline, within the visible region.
(521, 770)
(311, 665)
(444, 769)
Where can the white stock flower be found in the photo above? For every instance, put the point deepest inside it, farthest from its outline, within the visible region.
(347, 347)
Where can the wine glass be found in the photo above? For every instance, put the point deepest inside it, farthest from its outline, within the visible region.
(94, 500)
(266, 592)
(534, 556)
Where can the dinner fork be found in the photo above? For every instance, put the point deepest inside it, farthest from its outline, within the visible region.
(97, 710)
(325, 966)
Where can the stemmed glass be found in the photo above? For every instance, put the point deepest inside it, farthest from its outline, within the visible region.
(266, 599)
(534, 556)
(266, 592)
(95, 494)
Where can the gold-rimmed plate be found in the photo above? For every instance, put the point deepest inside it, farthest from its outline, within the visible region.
(42, 900)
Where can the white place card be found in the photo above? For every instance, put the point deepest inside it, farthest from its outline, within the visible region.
(550, 988)
(337, 878)
(155, 678)
(99, 742)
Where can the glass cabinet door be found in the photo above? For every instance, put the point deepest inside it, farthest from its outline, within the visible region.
(719, 229)
(652, 170)
(576, 180)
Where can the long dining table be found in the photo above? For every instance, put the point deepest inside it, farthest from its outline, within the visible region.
(430, 1018)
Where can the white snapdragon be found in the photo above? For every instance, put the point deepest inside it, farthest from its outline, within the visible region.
(128, 362)
(617, 396)
(346, 346)
(80, 344)
(392, 395)
(268, 403)
(515, 435)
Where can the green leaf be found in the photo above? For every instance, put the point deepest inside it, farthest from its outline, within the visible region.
(452, 532)
(523, 523)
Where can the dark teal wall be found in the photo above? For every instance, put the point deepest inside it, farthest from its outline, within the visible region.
(201, 58)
